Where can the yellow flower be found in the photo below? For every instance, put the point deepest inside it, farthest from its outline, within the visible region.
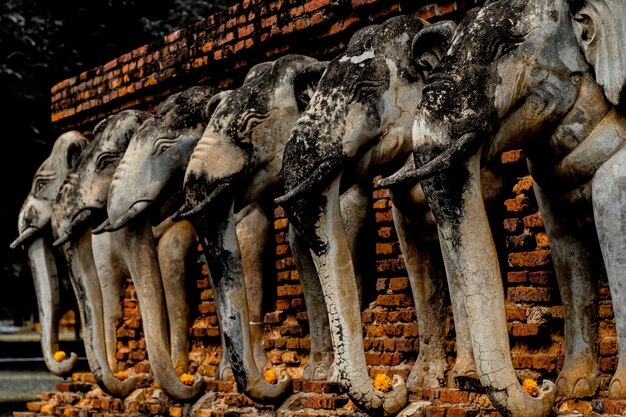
(122, 376)
(530, 386)
(382, 383)
(59, 356)
(270, 376)
(186, 379)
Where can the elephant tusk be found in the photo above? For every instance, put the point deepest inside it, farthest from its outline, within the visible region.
(441, 162)
(62, 240)
(404, 174)
(101, 228)
(326, 170)
(24, 236)
(185, 212)
(135, 209)
(79, 220)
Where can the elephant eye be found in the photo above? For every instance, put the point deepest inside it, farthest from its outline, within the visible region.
(364, 90)
(107, 158)
(162, 145)
(504, 45)
(252, 120)
(39, 185)
(41, 180)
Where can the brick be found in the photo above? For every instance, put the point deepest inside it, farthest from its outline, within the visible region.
(608, 346)
(434, 411)
(542, 240)
(607, 364)
(385, 232)
(275, 317)
(541, 278)
(513, 225)
(511, 157)
(533, 221)
(517, 277)
(605, 310)
(313, 5)
(291, 358)
(395, 300)
(524, 185)
(529, 294)
(384, 216)
(515, 313)
(538, 362)
(536, 258)
(324, 402)
(515, 205)
(524, 329)
(289, 290)
(398, 284)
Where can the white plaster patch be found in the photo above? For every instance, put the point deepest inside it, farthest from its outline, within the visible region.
(359, 58)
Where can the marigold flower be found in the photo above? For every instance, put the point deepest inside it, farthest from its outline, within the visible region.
(186, 379)
(382, 383)
(121, 375)
(530, 386)
(270, 376)
(59, 356)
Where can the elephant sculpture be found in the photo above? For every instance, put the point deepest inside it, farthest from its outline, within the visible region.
(147, 164)
(513, 78)
(33, 226)
(93, 262)
(144, 191)
(358, 125)
(600, 28)
(236, 167)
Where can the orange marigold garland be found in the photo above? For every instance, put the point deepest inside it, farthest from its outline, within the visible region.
(531, 388)
(186, 379)
(121, 375)
(382, 383)
(270, 376)
(59, 356)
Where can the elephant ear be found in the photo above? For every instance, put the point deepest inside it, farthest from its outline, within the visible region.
(363, 33)
(431, 43)
(258, 70)
(100, 127)
(600, 28)
(305, 82)
(214, 101)
(74, 150)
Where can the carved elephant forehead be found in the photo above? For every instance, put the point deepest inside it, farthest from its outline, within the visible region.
(51, 173)
(180, 113)
(246, 107)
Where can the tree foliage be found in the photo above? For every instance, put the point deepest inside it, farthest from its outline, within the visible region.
(42, 43)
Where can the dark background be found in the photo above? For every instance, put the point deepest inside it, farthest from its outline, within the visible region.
(42, 43)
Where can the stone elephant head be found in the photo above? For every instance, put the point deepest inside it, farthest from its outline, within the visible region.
(146, 188)
(237, 163)
(358, 125)
(82, 199)
(79, 205)
(600, 28)
(514, 77)
(33, 226)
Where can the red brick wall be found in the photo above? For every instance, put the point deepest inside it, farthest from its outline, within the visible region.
(217, 52)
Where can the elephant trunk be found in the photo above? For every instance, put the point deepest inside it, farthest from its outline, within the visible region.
(138, 247)
(224, 261)
(333, 260)
(84, 278)
(452, 155)
(44, 271)
(457, 202)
